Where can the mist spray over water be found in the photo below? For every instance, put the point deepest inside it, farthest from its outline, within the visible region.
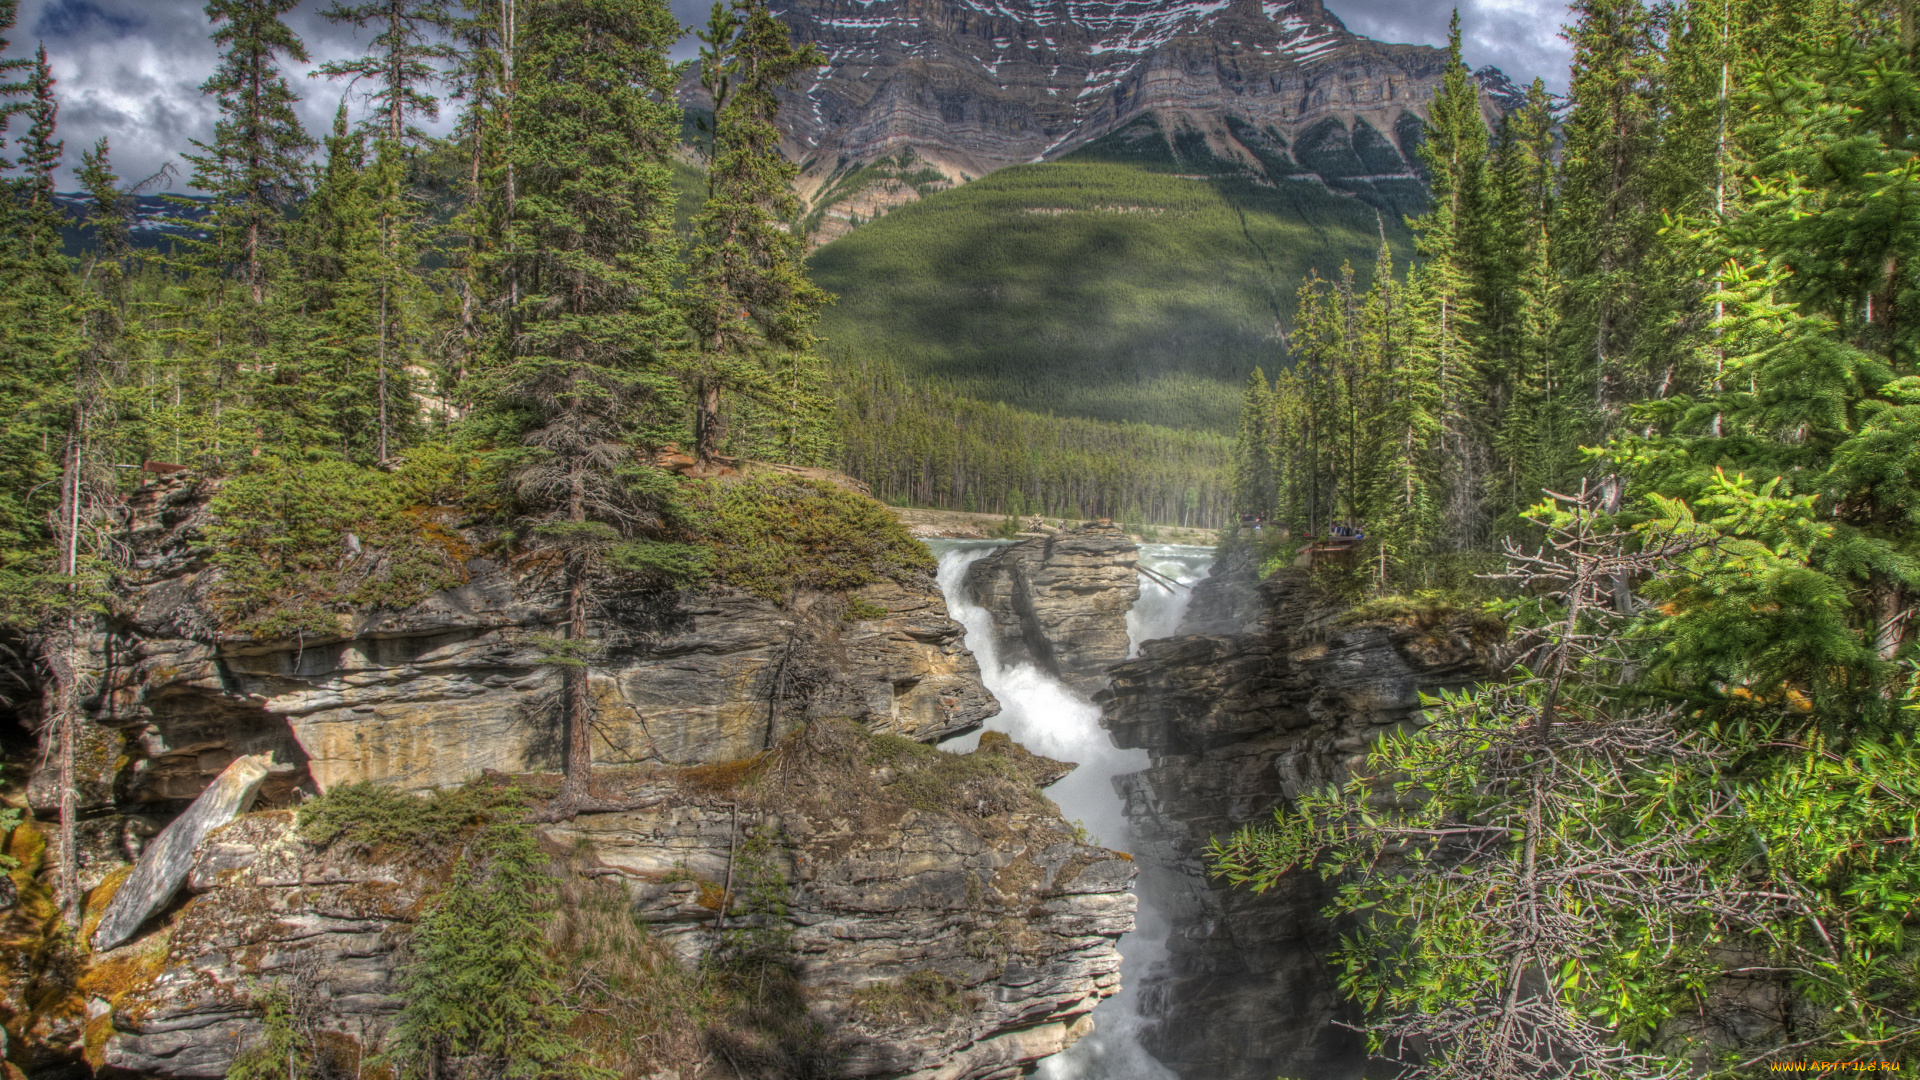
(1047, 718)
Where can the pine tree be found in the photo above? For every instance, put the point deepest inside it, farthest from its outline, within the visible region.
(1253, 449)
(587, 256)
(749, 305)
(35, 309)
(1453, 152)
(1606, 222)
(1821, 346)
(254, 168)
(335, 249)
(1400, 517)
(253, 171)
(11, 87)
(483, 996)
(1535, 441)
(402, 63)
(402, 69)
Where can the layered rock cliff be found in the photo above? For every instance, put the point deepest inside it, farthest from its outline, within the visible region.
(941, 91)
(720, 716)
(1275, 695)
(1060, 602)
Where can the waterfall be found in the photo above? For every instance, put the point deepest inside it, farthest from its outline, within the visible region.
(1047, 718)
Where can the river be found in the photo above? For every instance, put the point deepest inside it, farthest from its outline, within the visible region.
(1048, 718)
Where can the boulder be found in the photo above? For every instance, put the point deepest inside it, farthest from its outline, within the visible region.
(1060, 602)
(163, 866)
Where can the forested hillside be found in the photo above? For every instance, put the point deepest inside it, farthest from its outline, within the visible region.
(1654, 380)
(1139, 291)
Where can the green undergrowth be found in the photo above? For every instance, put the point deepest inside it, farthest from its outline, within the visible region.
(299, 542)
(913, 998)
(994, 778)
(773, 534)
(1429, 609)
(369, 818)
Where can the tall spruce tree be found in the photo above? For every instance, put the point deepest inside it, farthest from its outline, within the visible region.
(1534, 442)
(336, 255)
(1607, 220)
(1253, 450)
(1453, 152)
(35, 312)
(253, 171)
(402, 65)
(1821, 383)
(749, 304)
(588, 253)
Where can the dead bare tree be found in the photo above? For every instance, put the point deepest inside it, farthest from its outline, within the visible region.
(1493, 850)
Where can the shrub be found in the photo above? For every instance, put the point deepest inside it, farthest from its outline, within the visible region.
(774, 534)
(922, 995)
(281, 539)
(367, 817)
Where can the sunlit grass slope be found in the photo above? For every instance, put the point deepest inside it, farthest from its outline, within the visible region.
(1106, 289)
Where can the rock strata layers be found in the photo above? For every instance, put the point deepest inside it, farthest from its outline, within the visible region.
(1237, 722)
(454, 686)
(1060, 602)
(899, 861)
(972, 880)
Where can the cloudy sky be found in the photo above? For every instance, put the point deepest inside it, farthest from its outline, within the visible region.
(131, 69)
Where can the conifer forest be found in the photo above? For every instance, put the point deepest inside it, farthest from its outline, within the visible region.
(1631, 408)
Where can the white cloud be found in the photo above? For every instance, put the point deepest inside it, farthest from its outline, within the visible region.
(1520, 37)
(131, 70)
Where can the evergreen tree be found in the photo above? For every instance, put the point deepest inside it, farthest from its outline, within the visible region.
(337, 269)
(254, 168)
(36, 293)
(749, 304)
(253, 171)
(1821, 351)
(1534, 442)
(1453, 151)
(1607, 222)
(482, 994)
(587, 256)
(1400, 516)
(1253, 449)
(402, 63)
(401, 66)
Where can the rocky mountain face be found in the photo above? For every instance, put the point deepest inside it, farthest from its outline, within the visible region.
(1266, 694)
(1060, 602)
(899, 862)
(918, 94)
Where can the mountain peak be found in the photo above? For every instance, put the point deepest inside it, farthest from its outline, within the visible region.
(918, 94)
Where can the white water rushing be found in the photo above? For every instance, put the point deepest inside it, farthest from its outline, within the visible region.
(1048, 718)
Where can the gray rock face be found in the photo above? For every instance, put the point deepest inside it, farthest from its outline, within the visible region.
(1237, 723)
(451, 687)
(163, 866)
(1060, 602)
(984, 885)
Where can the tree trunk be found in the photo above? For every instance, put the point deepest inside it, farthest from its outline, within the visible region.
(63, 663)
(707, 425)
(1889, 619)
(577, 703)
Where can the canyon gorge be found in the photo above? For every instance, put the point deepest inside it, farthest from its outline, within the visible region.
(1154, 704)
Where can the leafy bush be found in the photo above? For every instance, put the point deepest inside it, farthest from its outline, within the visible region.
(922, 995)
(281, 536)
(774, 534)
(369, 817)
